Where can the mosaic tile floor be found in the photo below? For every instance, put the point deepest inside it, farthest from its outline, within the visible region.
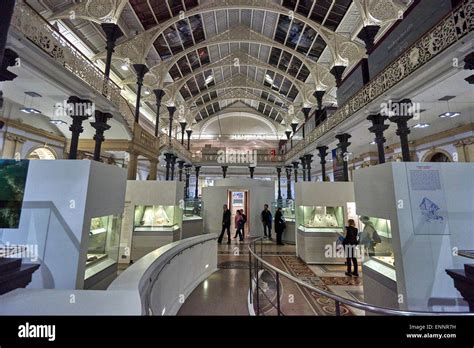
(226, 291)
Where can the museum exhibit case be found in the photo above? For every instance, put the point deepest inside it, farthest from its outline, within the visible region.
(103, 244)
(288, 208)
(192, 218)
(153, 217)
(427, 212)
(71, 212)
(322, 211)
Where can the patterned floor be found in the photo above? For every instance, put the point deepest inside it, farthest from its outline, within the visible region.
(295, 299)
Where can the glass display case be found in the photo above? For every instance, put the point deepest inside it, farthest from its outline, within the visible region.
(287, 207)
(155, 217)
(321, 219)
(103, 244)
(376, 239)
(192, 208)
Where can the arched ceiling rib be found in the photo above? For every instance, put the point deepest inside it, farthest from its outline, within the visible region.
(280, 41)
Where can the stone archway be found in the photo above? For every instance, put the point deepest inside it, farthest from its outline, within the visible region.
(41, 153)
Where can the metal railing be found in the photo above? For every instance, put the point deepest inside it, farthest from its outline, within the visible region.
(453, 28)
(38, 30)
(259, 263)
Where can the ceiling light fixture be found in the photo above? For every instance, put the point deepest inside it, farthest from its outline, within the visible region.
(124, 67)
(421, 125)
(30, 110)
(209, 79)
(57, 122)
(269, 79)
(373, 143)
(449, 114)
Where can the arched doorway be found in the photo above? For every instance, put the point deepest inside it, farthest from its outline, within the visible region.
(41, 153)
(438, 156)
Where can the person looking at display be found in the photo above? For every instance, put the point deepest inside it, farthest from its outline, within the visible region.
(369, 236)
(225, 225)
(350, 243)
(280, 225)
(266, 218)
(238, 221)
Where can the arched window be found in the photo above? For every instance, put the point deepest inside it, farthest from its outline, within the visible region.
(439, 157)
(41, 153)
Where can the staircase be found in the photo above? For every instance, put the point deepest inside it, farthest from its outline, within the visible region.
(14, 274)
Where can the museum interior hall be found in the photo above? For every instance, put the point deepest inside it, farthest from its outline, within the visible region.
(237, 157)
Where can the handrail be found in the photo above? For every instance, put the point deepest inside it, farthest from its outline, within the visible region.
(339, 299)
(143, 274)
(27, 21)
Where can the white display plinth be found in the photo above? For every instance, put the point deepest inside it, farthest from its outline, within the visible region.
(138, 241)
(61, 197)
(317, 245)
(431, 211)
(192, 227)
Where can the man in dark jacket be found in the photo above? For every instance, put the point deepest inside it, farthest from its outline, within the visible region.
(350, 245)
(266, 217)
(280, 225)
(225, 225)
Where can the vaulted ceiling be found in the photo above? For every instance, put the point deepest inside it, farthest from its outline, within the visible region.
(208, 54)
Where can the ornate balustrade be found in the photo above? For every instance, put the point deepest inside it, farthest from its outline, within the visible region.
(238, 159)
(36, 29)
(449, 31)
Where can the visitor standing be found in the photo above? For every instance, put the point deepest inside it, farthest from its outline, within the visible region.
(350, 248)
(280, 225)
(225, 224)
(266, 218)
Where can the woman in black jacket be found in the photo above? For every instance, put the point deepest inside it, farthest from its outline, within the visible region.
(280, 225)
(350, 248)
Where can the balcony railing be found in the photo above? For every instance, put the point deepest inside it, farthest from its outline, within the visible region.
(450, 30)
(35, 28)
(238, 160)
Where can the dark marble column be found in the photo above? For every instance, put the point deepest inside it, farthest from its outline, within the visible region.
(252, 172)
(183, 128)
(378, 128)
(401, 118)
(188, 133)
(159, 94)
(343, 145)
(319, 98)
(279, 183)
(323, 152)
(303, 164)
(173, 166)
(9, 60)
(196, 191)
(309, 160)
(180, 169)
(112, 33)
(288, 169)
(100, 125)
(7, 13)
(338, 72)
(171, 110)
(295, 168)
(187, 171)
(141, 70)
(168, 159)
(368, 34)
(77, 119)
(469, 65)
(224, 171)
